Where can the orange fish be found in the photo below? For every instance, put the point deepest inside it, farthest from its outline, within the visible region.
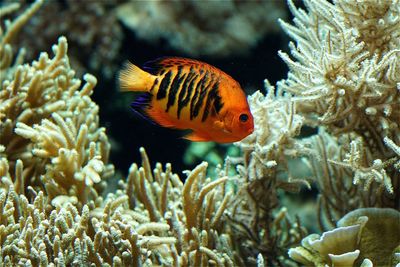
(188, 94)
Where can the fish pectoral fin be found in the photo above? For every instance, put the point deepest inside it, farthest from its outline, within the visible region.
(219, 125)
(222, 127)
(196, 137)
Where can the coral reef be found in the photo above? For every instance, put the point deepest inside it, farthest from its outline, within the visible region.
(50, 127)
(261, 223)
(153, 219)
(53, 159)
(344, 81)
(203, 28)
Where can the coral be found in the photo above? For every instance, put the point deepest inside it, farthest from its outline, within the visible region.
(52, 126)
(65, 236)
(153, 219)
(261, 223)
(203, 28)
(193, 211)
(53, 156)
(346, 83)
(363, 236)
(343, 81)
(92, 47)
(346, 76)
(341, 187)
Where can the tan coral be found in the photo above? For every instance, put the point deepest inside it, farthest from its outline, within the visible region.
(52, 125)
(255, 214)
(345, 178)
(343, 78)
(193, 210)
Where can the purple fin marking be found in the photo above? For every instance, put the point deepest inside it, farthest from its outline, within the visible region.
(140, 103)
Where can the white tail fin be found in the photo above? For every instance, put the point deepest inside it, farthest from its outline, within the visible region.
(132, 78)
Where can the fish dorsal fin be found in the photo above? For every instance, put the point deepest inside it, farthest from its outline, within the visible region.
(159, 64)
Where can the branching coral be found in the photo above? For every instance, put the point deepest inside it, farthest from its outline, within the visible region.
(347, 71)
(54, 161)
(193, 211)
(345, 183)
(144, 223)
(58, 137)
(346, 81)
(66, 236)
(203, 28)
(263, 171)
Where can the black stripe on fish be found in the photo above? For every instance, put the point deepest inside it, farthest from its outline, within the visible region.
(185, 92)
(196, 93)
(218, 104)
(176, 83)
(206, 82)
(162, 90)
(154, 84)
(212, 97)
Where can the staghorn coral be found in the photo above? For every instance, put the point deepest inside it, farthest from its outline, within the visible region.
(202, 28)
(364, 236)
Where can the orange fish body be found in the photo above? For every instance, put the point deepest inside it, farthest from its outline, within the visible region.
(188, 94)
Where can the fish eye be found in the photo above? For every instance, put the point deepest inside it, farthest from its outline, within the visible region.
(243, 117)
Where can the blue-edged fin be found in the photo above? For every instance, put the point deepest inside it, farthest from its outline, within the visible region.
(132, 78)
(141, 104)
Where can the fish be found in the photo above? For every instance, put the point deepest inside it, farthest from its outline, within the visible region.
(187, 94)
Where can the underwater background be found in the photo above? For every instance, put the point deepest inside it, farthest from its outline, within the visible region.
(87, 182)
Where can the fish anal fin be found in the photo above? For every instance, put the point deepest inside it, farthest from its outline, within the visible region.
(196, 137)
(132, 78)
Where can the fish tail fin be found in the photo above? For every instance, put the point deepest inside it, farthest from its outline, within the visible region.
(132, 78)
